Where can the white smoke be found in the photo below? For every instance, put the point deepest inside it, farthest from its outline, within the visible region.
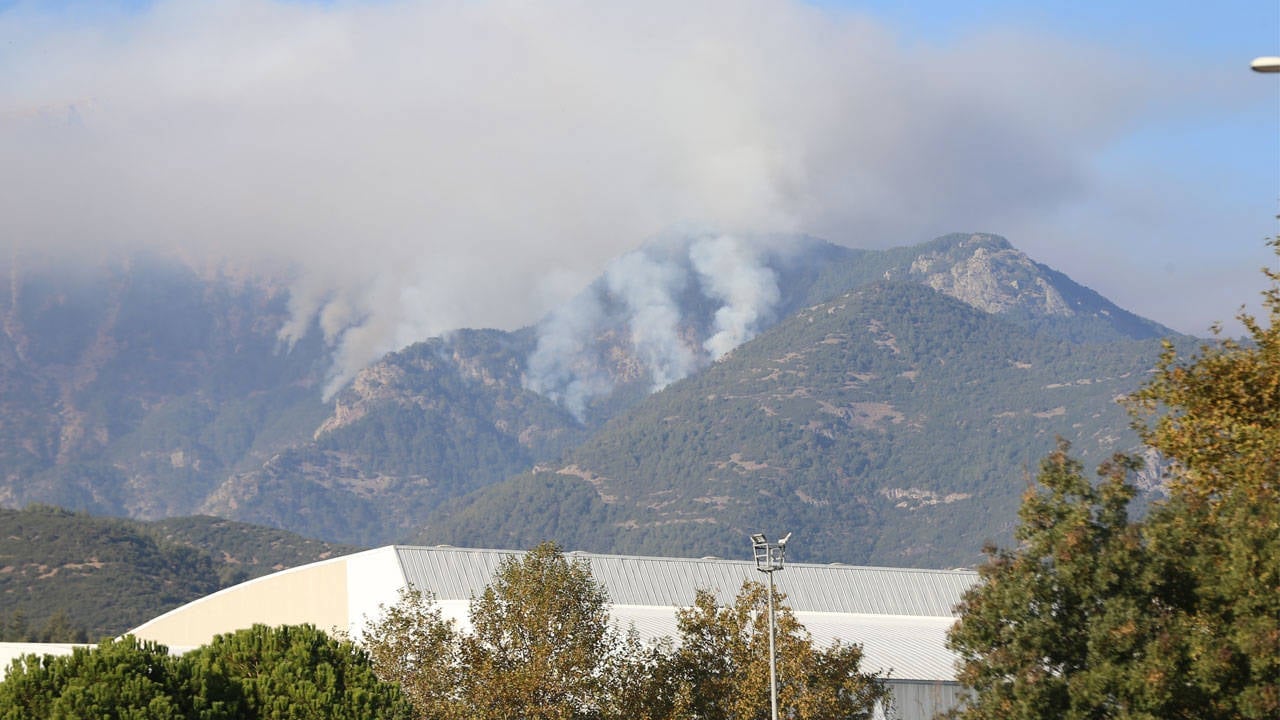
(565, 365)
(650, 291)
(424, 165)
(645, 288)
(732, 273)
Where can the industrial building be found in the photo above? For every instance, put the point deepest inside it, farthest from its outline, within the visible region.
(900, 616)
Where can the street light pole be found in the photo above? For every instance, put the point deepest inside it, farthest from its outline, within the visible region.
(769, 558)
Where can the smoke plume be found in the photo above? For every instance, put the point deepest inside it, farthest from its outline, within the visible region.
(422, 165)
(645, 296)
(650, 290)
(731, 273)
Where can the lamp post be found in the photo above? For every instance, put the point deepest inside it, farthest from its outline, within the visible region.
(769, 558)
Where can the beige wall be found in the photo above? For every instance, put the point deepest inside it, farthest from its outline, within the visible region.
(315, 594)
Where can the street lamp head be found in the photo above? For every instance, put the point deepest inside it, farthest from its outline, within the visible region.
(769, 556)
(1266, 64)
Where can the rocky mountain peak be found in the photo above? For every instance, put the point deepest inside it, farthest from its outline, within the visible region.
(988, 273)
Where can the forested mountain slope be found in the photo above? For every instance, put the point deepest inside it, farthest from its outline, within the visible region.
(891, 425)
(97, 576)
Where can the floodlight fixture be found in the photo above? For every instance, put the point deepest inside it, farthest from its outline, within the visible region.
(770, 558)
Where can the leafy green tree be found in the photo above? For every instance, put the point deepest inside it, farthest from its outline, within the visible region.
(410, 645)
(541, 640)
(1177, 616)
(1064, 626)
(722, 665)
(1217, 418)
(542, 646)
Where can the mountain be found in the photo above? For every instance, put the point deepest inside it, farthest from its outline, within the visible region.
(133, 388)
(152, 389)
(431, 422)
(70, 573)
(891, 425)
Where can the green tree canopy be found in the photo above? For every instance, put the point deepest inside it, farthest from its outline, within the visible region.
(541, 646)
(541, 643)
(293, 673)
(262, 673)
(1095, 615)
(125, 678)
(410, 645)
(1217, 418)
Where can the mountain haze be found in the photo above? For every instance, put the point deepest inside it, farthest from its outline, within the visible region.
(887, 402)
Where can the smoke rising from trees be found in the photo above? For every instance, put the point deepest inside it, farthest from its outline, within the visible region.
(646, 292)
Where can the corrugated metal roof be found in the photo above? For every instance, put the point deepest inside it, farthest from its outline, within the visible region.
(459, 573)
(900, 616)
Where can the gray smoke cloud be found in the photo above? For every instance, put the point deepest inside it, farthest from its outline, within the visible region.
(421, 165)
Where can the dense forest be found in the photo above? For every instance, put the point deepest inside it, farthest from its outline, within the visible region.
(891, 425)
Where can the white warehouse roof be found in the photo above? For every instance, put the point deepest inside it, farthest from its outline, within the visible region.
(899, 616)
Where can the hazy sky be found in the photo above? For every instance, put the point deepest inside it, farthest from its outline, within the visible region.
(427, 165)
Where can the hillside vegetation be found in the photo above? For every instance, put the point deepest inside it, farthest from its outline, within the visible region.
(67, 576)
(892, 425)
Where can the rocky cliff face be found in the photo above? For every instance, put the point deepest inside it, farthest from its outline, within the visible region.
(989, 274)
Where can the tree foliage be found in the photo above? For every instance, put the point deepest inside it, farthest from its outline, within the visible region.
(1061, 626)
(124, 678)
(542, 645)
(295, 673)
(1176, 616)
(722, 664)
(413, 647)
(284, 673)
(1218, 419)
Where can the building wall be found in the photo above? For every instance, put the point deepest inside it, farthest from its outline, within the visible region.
(914, 700)
(315, 594)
